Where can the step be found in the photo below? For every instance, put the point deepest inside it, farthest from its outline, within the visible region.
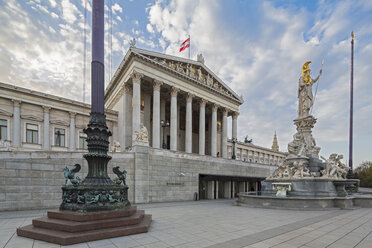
(89, 216)
(68, 238)
(78, 226)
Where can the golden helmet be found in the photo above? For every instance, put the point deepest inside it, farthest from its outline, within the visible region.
(306, 67)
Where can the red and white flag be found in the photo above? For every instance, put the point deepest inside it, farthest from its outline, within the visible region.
(185, 44)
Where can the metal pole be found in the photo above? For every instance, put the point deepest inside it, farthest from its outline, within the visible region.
(351, 106)
(189, 47)
(98, 71)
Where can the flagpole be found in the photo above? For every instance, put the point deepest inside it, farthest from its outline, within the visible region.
(351, 106)
(189, 47)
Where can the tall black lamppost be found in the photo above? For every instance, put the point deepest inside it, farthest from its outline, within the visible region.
(233, 148)
(164, 125)
(97, 191)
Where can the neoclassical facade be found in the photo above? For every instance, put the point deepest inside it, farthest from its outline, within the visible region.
(150, 87)
(169, 120)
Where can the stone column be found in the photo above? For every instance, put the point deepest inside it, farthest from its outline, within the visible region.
(224, 134)
(124, 128)
(156, 115)
(16, 123)
(202, 127)
(72, 131)
(173, 122)
(235, 130)
(188, 135)
(136, 120)
(214, 131)
(46, 138)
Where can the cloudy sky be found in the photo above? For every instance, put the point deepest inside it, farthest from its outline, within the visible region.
(256, 47)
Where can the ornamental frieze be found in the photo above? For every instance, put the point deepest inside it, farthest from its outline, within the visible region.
(194, 72)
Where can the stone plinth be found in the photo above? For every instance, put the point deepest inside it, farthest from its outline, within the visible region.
(67, 227)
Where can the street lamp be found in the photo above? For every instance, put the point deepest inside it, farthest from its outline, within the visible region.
(164, 125)
(233, 148)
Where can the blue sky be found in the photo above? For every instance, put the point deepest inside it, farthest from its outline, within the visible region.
(256, 47)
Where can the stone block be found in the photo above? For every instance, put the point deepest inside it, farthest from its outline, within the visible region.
(42, 196)
(18, 165)
(18, 196)
(42, 166)
(2, 196)
(29, 173)
(18, 181)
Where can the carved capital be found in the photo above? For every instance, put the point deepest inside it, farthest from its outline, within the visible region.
(16, 103)
(127, 88)
(136, 77)
(235, 115)
(225, 111)
(157, 84)
(46, 109)
(202, 103)
(174, 91)
(189, 97)
(72, 114)
(214, 107)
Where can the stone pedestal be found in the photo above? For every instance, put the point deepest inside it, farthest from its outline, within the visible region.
(67, 227)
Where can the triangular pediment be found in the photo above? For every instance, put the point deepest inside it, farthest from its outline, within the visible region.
(193, 70)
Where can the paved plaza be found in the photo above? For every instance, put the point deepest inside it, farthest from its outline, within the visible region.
(220, 224)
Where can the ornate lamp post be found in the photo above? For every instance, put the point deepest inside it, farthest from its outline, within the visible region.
(233, 148)
(97, 191)
(164, 125)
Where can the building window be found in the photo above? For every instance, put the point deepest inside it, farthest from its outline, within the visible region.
(3, 129)
(32, 133)
(83, 141)
(59, 137)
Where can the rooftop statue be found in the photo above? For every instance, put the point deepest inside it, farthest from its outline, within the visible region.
(305, 91)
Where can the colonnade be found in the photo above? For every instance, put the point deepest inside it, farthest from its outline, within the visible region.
(156, 113)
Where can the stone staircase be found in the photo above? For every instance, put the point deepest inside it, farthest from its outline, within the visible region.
(66, 228)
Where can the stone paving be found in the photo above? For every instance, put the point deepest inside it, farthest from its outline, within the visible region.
(220, 224)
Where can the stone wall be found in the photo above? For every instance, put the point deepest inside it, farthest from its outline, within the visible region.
(33, 180)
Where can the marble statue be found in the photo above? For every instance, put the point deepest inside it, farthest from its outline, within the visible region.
(296, 148)
(200, 58)
(199, 74)
(305, 90)
(334, 167)
(141, 135)
(116, 146)
(132, 43)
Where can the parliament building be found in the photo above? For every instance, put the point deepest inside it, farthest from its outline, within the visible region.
(169, 119)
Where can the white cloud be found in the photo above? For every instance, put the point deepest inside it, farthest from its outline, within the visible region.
(53, 3)
(149, 28)
(117, 8)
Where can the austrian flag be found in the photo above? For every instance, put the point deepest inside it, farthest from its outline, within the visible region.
(185, 44)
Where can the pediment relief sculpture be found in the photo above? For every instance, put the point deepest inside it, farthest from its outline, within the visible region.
(195, 72)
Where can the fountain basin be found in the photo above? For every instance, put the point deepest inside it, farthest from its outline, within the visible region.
(267, 200)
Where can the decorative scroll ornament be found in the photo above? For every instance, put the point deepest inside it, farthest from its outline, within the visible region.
(70, 175)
